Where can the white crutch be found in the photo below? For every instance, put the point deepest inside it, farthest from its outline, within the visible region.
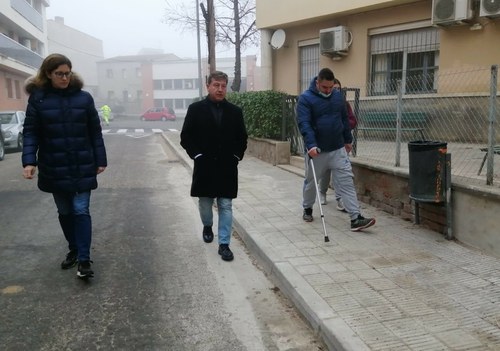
(327, 239)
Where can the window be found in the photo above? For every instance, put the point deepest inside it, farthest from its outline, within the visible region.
(168, 84)
(188, 84)
(409, 56)
(109, 73)
(124, 73)
(178, 84)
(10, 93)
(308, 65)
(17, 88)
(138, 72)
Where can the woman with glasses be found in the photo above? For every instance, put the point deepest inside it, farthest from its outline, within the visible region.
(63, 139)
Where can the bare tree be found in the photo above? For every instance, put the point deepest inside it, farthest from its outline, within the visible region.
(209, 16)
(234, 22)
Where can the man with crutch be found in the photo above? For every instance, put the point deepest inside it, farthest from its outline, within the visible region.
(323, 123)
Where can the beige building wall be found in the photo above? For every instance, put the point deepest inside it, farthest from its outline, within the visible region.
(460, 47)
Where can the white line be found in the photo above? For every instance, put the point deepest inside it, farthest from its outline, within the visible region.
(121, 131)
(104, 131)
(173, 130)
(139, 130)
(157, 130)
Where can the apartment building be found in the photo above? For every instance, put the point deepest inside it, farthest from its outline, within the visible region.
(23, 38)
(83, 50)
(370, 43)
(133, 84)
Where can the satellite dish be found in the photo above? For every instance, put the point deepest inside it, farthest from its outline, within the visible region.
(278, 39)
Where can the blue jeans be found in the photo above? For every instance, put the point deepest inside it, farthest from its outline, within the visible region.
(225, 209)
(75, 220)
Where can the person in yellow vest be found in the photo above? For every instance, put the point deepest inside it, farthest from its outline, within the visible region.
(106, 112)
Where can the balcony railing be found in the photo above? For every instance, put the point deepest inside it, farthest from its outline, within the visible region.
(13, 50)
(28, 12)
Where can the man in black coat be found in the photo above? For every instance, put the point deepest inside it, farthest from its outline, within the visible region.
(215, 137)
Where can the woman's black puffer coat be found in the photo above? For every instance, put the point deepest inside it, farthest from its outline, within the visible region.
(63, 138)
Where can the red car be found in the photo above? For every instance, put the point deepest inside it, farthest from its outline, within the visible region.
(159, 114)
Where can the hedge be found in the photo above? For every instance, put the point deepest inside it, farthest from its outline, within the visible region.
(262, 111)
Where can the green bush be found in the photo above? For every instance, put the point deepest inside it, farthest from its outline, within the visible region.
(262, 111)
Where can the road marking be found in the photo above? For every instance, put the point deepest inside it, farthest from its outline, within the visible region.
(121, 131)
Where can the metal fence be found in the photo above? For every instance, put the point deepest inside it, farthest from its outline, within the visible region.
(442, 111)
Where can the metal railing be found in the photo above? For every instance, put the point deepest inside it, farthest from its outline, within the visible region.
(466, 121)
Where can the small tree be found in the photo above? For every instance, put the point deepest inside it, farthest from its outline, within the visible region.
(234, 25)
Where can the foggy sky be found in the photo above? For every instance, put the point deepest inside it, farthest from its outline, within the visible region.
(126, 26)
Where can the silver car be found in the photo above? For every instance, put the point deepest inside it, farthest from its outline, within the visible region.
(12, 127)
(2, 147)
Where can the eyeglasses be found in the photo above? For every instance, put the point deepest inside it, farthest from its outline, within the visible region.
(63, 74)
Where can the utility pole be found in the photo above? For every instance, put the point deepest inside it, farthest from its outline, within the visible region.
(200, 79)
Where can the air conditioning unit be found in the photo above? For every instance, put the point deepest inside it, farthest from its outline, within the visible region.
(334, 41)
(451, 12)
(490, 8)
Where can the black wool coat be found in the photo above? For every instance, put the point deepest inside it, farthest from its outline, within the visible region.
(220, 146)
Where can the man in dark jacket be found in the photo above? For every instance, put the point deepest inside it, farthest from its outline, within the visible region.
(323, 122)
(215, 137)
(63, 138)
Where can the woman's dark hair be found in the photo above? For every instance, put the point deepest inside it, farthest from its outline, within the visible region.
(50, 64)
(336, 81)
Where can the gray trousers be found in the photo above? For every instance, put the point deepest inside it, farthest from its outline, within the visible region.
(343, 179)
(324, 183)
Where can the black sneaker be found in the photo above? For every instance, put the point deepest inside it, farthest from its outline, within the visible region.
(84, 271)
(308, 215)
(361, 223)
(71, 260)
(225, 252)
(208, 234)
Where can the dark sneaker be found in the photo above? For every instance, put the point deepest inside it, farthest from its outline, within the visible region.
(308, 215)
(70, 260)
(84, 271)
(208, 234)
(225, 252)
(361, 223)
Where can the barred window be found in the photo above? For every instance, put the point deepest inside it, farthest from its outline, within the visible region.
(308, 65)
(410, 56)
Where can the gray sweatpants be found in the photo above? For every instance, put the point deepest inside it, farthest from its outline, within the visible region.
(338, 161)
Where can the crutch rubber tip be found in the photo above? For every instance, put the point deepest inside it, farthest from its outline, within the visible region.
(327, 239)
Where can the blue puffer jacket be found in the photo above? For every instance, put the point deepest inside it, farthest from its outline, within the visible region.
(323, 122)
(63, 137)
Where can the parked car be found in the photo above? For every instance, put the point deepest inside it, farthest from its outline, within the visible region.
(12, 126)
(159, 114)
(2, 145)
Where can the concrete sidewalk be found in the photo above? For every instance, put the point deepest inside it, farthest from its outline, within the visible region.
(396, 286)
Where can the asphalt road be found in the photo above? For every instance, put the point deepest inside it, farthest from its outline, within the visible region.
(157, 286)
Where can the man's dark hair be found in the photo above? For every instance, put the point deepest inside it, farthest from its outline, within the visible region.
(217, 75)
(326, 74)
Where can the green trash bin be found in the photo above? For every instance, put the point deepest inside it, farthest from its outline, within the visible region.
(427, 169)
